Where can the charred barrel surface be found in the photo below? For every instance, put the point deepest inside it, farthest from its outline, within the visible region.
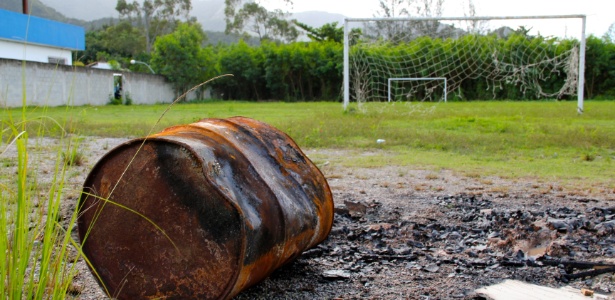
(201, 211)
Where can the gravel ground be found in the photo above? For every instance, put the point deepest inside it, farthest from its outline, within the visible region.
(401, 233)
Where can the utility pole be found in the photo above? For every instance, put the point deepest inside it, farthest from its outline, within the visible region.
(25, 7)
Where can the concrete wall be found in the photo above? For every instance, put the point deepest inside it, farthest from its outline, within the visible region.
(55, 85)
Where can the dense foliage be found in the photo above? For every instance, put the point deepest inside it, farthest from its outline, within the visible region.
(290, 72)
(477, 67)
(600, 68)
(180, 57)
(307, 71)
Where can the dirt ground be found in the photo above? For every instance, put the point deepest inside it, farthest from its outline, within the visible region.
(401, 233)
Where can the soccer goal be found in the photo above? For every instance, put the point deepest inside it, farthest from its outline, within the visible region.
(464, 58)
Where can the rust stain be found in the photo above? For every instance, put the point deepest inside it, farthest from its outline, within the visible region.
(218, 206)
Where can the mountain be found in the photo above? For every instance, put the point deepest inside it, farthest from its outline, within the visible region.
(94, 15)
(210, 13)
(42, 10)
(318, 18)
(83, 10)
(37, 8)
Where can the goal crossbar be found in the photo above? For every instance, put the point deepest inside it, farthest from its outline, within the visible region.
(581, 67)
(416, 79)
(476, 18)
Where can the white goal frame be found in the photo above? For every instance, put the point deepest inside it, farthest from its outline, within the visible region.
(390, 80)
(581, 74)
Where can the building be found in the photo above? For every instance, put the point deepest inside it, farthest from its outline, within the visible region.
(30, 38)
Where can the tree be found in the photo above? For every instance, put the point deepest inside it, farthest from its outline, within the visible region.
(246, 65)
(124, 39)
(327, 32)
(609, 35)
(156, 17)
(469, 10)
(253, 17)
(393, 31)
(392, 9)
(93, 45)
(180, 57)
(112, 42)
(427, 8)
(599, 68)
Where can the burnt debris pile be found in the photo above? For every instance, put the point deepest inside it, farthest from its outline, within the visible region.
(451, 245)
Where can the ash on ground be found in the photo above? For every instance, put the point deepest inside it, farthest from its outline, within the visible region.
(391, 241)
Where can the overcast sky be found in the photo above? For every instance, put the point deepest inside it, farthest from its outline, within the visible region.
(600, 13)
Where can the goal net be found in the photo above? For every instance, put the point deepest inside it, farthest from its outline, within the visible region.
(475, 58)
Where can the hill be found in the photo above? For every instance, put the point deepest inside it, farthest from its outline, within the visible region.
(37, 8)
(40, 9)
(94, 14)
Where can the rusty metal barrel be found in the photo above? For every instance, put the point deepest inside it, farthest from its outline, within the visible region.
(201, 211)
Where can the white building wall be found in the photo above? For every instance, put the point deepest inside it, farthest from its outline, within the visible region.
(51, 85)
(38, 53)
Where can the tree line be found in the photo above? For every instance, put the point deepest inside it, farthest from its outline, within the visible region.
(312, 70)
(280, 68)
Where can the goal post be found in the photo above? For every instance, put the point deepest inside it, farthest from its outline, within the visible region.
(391, 80)
(502, 61)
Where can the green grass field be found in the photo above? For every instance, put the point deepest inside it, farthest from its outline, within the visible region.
(548, 140)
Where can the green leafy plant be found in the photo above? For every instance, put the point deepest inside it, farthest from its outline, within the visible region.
(114, 101)
(127, 99)
(180, 57)
(35, 259)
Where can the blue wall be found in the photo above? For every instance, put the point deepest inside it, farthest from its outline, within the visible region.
(13, 26)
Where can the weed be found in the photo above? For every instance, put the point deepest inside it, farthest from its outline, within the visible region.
(113, 100)
(431, 176)
(588, 157)
(74, 174)
(499, 190)
(127, 99)
(474, 175)
(73, 156)
(486, 182)
(34, 250)
(8, 163)
(334, 176)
